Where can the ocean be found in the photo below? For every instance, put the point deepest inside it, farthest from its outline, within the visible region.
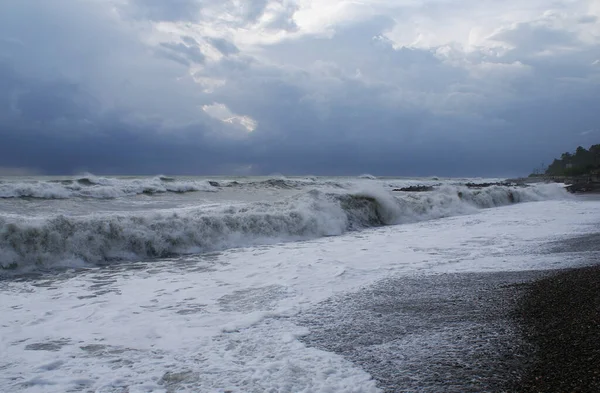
(188, 284)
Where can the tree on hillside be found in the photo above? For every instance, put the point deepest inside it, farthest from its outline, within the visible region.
(575, 164)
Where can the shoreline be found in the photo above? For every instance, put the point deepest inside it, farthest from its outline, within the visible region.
(450, 332)
(528, 331)
(560, 317)
(589, 184)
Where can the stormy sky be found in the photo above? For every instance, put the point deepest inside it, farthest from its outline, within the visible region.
(331, 87)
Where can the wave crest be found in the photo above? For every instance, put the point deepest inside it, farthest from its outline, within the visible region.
(154, 234)
(90, 186)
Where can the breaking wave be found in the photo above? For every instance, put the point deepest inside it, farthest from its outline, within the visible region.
(283, 183)
(106, 238)
(368, 177)
(99, 187)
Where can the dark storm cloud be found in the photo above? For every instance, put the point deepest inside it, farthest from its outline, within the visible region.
(54, 128)
(79, 91)
(359, 125)
(119, 150)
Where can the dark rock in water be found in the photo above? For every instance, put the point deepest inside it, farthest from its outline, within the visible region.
(511, 197)
(278, 183)
(214, 183)
(422, 188)
(414, 189)
(581, 187)
(501, 184)
(522, 181)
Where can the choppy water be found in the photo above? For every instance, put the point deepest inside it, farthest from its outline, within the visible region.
(57, 222)
(199, 291)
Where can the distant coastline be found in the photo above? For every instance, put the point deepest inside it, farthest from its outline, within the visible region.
(575, 185)
(580, 170)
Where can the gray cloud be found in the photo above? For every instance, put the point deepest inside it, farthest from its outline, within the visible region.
(184, 54)
(251, 9)
(223, 46)
(284, 20)
(587, 19)
(238, 13)
(159, 10)
(90, 94)
(190, 41)
(529, 37)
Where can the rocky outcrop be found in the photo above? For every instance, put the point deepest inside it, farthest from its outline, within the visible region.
(420, 188)
(503, 184)
(583, 187)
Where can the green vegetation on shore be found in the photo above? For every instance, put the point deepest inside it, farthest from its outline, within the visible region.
(580, 163)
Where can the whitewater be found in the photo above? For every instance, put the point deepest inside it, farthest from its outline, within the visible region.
(185, 284)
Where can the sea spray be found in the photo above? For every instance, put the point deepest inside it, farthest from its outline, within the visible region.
(49, 241)
(96, 187)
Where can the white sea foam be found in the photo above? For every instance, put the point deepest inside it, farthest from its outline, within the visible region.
(56, 240)
(91, 186)
(368, 176)
(225, 322)
(99, 187)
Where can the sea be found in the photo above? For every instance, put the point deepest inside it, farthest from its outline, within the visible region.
(196, 284)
